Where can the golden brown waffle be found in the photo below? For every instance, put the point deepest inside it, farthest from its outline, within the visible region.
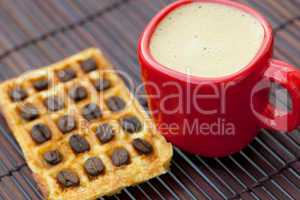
(140, 167)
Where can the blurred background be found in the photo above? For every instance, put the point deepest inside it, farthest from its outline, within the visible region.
(35, 33)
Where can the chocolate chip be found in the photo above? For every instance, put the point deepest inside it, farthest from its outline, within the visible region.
(94, 166)
(142, 146)
(29, 112)
(79, 144)
(102, 84)
(115, 103)
(67, 178)
(104, 133)
(18, 94)
(91, 111)
(54, 103)
(41, 84)
(120, 157)
(53, 157)
(88, 65)
(131, 124)
(40, 133)
(78, 93)
(66, 123)
(66, 74)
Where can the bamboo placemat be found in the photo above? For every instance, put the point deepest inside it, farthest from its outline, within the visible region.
(36, 33)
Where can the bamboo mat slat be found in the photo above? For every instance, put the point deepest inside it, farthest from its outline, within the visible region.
(36, 33)
(28, 19)
(276, 11)
(93, 5)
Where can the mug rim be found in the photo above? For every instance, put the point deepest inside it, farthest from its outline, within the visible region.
(144, 43)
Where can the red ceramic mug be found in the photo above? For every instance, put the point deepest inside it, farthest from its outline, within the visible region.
(240, 101)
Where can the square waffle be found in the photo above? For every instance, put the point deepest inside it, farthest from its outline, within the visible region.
(82, 132)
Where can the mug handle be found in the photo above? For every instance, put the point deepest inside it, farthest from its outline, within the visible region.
(288, 77)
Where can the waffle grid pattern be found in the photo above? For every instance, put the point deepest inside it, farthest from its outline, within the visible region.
(267, 158)
(141, 167)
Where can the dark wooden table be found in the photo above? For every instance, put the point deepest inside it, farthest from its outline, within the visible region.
(35, 33)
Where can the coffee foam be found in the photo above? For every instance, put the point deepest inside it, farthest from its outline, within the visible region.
(207, 39)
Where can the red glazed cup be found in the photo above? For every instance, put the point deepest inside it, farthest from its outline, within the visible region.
(218, 116)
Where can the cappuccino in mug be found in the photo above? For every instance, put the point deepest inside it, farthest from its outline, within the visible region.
(207, 39)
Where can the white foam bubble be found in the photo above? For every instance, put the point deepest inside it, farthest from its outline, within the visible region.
(211, 39)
